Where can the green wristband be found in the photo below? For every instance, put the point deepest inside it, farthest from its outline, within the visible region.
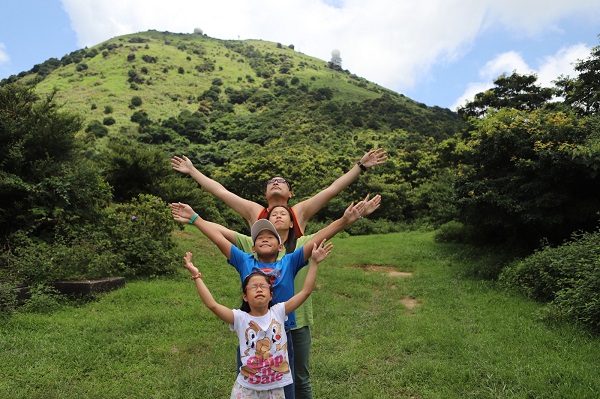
(193, 218)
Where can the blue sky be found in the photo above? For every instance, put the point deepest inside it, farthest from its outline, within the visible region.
(439, 52)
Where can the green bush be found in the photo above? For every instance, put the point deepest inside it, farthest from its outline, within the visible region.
(108, 121)
(567, 277)
(43, 299)
(136, 101)
(140, 231)
(129, 240)
(8, 298)
(452, 231)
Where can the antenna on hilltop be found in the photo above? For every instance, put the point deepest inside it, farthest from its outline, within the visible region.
(336, 60)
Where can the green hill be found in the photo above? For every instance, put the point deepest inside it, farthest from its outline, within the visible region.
(169, 71)
(248, 110)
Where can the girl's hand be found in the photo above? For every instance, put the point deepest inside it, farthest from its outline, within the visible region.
(181, 212)
(371, 204)
(189, 265)
(353, 212)
(319, 253)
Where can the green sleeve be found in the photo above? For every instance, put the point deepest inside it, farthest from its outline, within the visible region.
(304, 314)
(244, 242)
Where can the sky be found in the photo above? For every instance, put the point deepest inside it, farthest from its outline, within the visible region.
(438, 52)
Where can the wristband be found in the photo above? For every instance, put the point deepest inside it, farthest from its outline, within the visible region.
(193, 218)
(195, 276)
(363, 167)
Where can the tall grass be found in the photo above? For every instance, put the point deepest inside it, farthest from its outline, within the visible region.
(154, 339)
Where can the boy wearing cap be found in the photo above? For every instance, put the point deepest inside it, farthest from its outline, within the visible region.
(267, 245)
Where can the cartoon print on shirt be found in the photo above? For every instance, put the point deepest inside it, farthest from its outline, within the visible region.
(255, 339)
(276, 331)
(259, 347)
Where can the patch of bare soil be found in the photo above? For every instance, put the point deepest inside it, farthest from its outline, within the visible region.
(391, 271)
(409, 303)
(182, 234)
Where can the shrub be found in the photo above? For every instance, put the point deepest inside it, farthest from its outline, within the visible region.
(96, 128)
(129, 240)
(108, 121)
(136, 101)
(453, 231)
(141, 232)
(567, 277)
(43, 299)
(8, 297)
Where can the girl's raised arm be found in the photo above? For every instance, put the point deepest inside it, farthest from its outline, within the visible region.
(318, 254)
(222, 312)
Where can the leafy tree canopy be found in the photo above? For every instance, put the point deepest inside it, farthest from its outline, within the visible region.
(514, 91)
(582, 93)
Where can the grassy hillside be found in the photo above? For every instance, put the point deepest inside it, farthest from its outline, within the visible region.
(166, 92)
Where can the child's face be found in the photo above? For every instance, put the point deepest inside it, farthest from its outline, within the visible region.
(266, 243)
(258, 291)
(281, 219)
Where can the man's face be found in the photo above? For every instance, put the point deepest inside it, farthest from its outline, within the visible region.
(278, 187)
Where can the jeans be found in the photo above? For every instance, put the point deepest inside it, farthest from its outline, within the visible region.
(302, 341)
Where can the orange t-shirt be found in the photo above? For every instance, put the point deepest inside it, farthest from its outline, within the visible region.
(265, 213)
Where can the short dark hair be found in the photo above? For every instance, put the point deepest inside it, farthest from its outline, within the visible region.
(289, 184)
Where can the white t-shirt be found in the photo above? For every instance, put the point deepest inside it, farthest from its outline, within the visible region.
(263, 349)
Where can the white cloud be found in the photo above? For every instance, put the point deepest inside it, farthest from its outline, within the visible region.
(393, 43)
(470, 92)
(4, 57)
(505, 63)
(549, 69)
(562, 63)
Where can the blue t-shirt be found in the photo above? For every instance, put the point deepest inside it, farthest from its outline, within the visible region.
(284, 270)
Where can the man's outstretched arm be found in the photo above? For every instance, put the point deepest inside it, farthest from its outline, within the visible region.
(307, 208)
(247, 209)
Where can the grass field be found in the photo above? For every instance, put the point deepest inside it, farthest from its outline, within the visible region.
(428, 332)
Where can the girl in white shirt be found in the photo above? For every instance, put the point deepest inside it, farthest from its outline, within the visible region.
(259, 325)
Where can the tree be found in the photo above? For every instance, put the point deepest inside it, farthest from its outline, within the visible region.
(514, 91)
(526, 176)
(132, 168)
(583, 92)
(44, 184)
